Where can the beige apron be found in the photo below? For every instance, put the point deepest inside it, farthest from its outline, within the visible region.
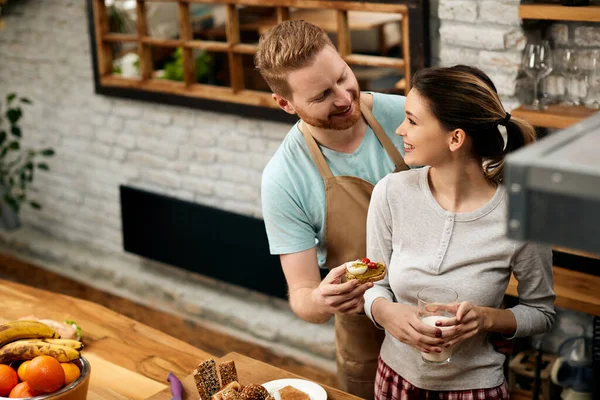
(347, 201)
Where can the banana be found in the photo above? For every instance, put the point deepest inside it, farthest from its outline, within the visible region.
(15, 330)
(74, 344)
(26, 350)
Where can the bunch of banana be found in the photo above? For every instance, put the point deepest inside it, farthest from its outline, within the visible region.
(24, 340)
(65, 351)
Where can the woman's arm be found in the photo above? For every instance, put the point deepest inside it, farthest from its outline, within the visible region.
(532, 267)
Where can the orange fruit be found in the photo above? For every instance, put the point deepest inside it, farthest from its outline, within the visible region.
(22, 391)
(8, 379)
(21, 370)
(44, 374)
(72, 372)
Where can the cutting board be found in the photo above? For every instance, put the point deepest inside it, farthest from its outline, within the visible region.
(249, 371)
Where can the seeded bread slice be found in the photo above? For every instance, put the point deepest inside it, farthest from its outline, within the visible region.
(210, 379)
(371, 275)
(228, 373)
(200, 385)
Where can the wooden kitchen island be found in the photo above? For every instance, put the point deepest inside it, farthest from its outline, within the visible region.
(128, 359)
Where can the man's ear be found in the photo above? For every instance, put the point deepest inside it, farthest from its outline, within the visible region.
(458, 138)
(284, 104)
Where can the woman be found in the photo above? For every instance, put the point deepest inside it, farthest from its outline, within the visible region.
(444, 226)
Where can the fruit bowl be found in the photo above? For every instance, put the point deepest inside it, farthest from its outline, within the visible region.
(76, 390)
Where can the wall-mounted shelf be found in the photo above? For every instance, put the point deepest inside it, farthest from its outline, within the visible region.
(559, 12)
(556, 116)
(574, 290)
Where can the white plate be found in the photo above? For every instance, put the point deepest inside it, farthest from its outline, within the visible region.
(315, 391)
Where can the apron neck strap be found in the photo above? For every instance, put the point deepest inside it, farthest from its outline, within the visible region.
(316, 154)
(385, 141)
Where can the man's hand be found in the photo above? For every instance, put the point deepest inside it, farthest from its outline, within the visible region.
(341, 298)
(401, 321)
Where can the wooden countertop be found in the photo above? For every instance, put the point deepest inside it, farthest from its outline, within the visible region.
(129, 360)
(250, 371)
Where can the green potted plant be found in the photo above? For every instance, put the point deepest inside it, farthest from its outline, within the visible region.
(17, 164)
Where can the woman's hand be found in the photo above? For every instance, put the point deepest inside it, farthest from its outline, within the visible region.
(469, 320)
(400, 321)
(341, 298)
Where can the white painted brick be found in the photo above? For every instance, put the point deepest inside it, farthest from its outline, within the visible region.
(183, 117)
(158, 147)
(506, 83)
(500, 60)
(241, 175)
(451, 55)
(119, 154)
(259, 161)
(75, 144)
(587, 36)
(206, 171)
(158, 116)
(115, 123)
(203, 137)
(175, 134)
(163, 178)
(499, 13)
(198, 185)
(105, 135)
(186, 153)
(98, 120)
(473, 36)
(207, 156)
(235, 191)
(101, 149)
(126, 109)
(126, 141)
(458, 10)
(233, 142)
(146, 159)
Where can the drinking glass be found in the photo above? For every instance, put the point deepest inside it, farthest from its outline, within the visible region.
(436, 304)
(591, 66)
(537, 64)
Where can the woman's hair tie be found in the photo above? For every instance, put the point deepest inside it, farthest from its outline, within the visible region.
(504, 120)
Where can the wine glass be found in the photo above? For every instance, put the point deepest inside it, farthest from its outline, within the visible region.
(570, 67)
(537, 64)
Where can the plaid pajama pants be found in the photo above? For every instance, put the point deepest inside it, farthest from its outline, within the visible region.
(391, 386)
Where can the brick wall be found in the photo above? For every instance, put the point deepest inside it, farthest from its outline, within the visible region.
(486, 34)
(206, 157)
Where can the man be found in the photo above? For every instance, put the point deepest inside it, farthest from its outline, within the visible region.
(316, 188)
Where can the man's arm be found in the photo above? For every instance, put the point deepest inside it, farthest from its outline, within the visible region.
(314, 300)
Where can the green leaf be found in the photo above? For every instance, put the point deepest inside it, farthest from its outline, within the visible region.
(13, 115)
(14, 146)
(2, 137)
(16, 131)
(3, 152)
(10, 97)
(43, 166)
(26, 100)
(47, 152)
(77, 328)
(35, 205)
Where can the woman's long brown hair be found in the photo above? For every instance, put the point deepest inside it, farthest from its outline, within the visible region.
(464, 97)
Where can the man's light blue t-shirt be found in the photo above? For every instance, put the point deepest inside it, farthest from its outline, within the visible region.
(293, 192)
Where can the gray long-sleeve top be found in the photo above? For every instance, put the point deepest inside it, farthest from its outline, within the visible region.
(425, 245)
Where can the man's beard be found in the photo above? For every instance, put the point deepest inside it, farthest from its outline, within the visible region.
(334, 122)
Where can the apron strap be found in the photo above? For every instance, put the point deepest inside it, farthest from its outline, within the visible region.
(317, 156)
(384, 139)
